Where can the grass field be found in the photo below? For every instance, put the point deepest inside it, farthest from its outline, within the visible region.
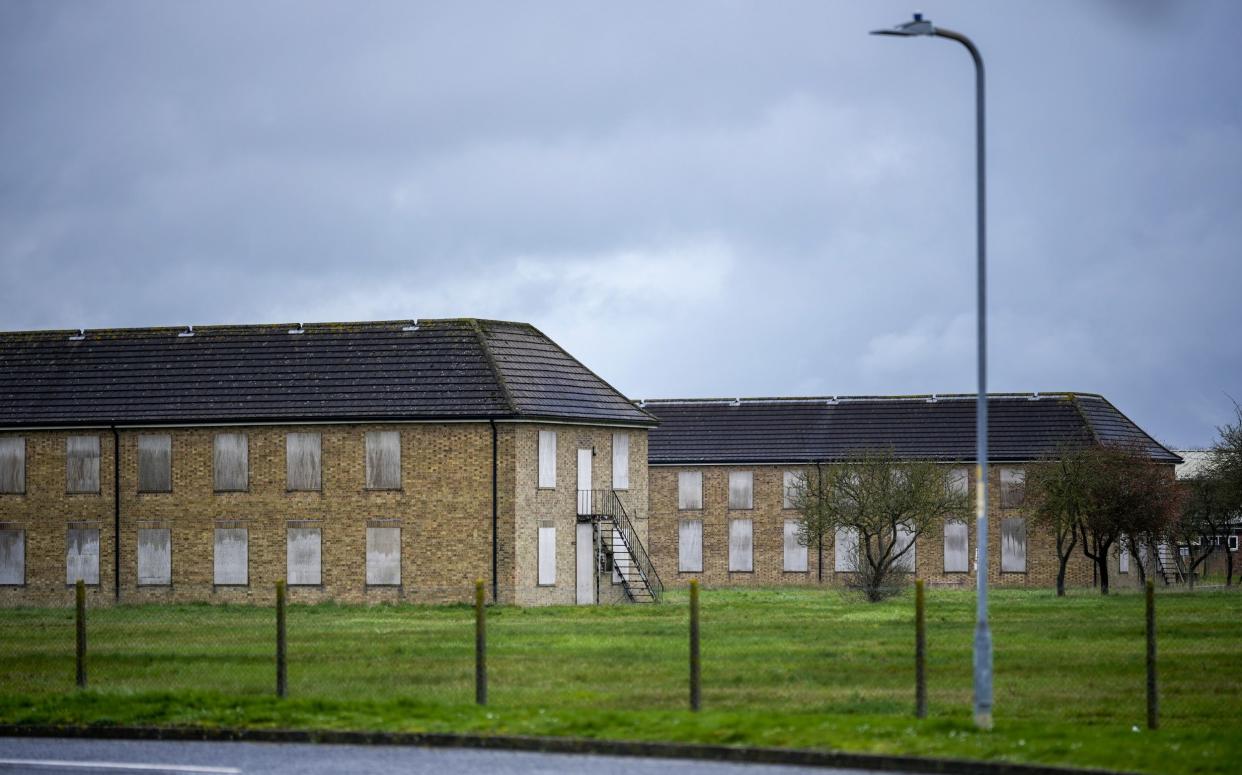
(800, 668)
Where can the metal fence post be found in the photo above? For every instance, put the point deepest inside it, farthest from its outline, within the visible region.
(282, 664)
(696, 662)
(79, 593)
(920, 651)
(1153, 697)
(480, 645)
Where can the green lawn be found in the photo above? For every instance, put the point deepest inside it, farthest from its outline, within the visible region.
(801, 668)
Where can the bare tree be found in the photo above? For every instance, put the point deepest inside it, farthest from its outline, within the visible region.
(1059, 491)
(1128, 494)
(1225, 472)
(808, 495)
(884, 504)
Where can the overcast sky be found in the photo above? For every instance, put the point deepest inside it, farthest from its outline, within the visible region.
(696, 199)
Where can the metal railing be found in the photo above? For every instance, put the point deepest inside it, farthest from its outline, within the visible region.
(607, 505)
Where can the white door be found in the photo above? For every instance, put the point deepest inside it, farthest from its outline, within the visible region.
(584, 480)
(586, 564)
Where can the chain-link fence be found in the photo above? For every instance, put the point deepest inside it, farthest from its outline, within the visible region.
(1076, 658)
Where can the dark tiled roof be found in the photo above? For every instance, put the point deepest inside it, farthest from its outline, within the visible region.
(439, 369)
(773, 430)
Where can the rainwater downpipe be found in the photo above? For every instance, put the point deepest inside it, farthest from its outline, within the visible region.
(495, 519)
(116, 514)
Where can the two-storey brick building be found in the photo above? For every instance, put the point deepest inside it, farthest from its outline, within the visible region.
(721, 471)
(362, 462)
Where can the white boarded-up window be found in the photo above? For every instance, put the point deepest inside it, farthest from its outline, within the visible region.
(741, 490)
(82, 464)
(905, 542)
(1012, 487)
(232, 556)
(956, 547)
(547, 554)
(154, 556)
(231, 462)
(795, 552)
(302, 556)
(690, 546)
(12, 556)
(1013, 545)
(547, 459)
(789, 489)
(690, 490)
(959, 481)
(154, 463)
(383, 460)
(302, 461)
(741, 545)
(82, 555)
(845, 546)
(12, 464)
(384, 556)
(1123, 557)
(620, 461)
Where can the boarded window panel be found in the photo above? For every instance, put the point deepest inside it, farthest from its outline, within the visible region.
(12, 464)
(789, 489)
(741, 545)
(845, 546)
(12, 556)
(155, 463)
(232, 556)
(959, 481)
(795, 552)
(154, 556)
(82, 464)
(547, 554)
(1013, 487)
(620, 461)
(1123, 558)
(741, 490)
(302, 556)
(384, 556)
(905, 541)
(383, 460)
(690, 490)
(956, 547)
(302, 461)
(82, 555)
(231, 462)
(547, 459)
(690, 546)
(1013, 545)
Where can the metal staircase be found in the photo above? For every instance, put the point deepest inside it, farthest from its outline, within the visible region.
(619, 545)
(1169, 564)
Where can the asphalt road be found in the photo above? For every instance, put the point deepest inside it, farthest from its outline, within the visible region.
(126, 757)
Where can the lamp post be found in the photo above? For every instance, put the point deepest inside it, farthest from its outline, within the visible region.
(920, 27)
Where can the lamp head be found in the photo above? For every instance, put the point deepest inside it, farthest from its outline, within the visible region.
(913, 28)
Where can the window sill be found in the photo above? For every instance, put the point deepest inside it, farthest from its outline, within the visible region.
(752, 570)
(383, 489)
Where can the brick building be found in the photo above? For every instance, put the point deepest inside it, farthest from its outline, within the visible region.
(360, 462)
(720, 469)
(400, 461)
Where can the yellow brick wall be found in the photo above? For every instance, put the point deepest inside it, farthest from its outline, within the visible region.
(559, 504)
(769, 517)
(443, 508)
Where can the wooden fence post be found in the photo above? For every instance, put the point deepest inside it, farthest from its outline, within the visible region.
(480, 645)
(1153, 697)
(696, 662)
(79, 594)
(282, 663)
(920, 651)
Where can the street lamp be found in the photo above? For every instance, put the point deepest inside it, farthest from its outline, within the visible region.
(920, 27)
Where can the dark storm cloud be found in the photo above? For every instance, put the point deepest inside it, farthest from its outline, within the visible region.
(698, 199)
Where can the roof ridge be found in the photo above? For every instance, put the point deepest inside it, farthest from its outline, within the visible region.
(1126, 417)
(924, 397)
(477, 327)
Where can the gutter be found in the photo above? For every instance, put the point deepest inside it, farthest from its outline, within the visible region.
(495, 521)
(116, 514)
